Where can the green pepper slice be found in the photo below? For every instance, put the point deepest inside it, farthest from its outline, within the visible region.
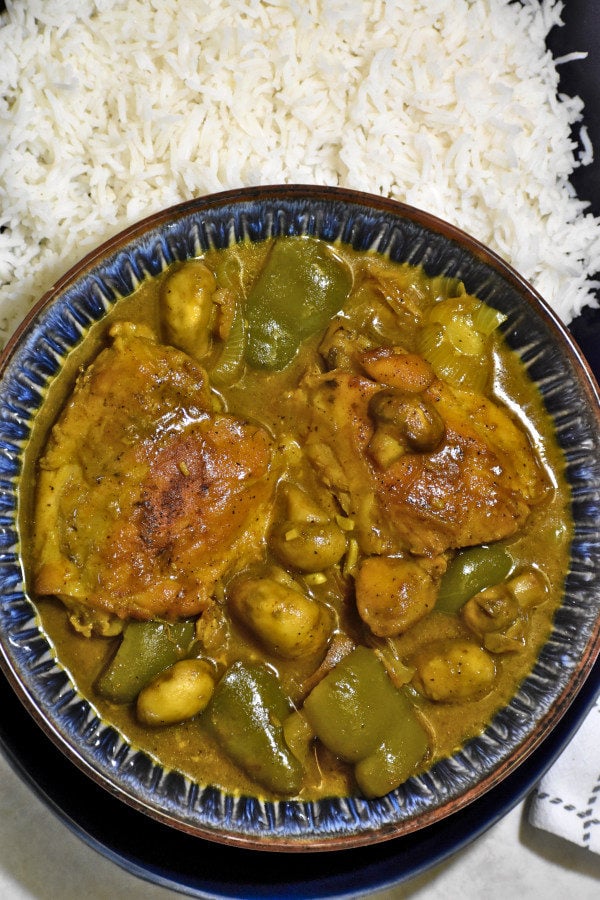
(348, 709)
(301, 286)
(403, 748)
(246, 714)
(146, 649)
(361, 717)
(472, 570)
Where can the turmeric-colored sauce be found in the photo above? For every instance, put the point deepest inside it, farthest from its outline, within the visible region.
(297, 521)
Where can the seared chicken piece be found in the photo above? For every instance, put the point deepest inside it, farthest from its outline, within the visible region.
(146, 496)
(478, 484)
(394, 592)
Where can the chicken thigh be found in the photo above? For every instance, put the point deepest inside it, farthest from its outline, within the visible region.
(478, 485)
(147, 496)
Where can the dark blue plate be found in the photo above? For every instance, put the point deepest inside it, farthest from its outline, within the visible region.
(192, 866)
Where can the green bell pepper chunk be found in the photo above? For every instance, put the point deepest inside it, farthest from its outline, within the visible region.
(146, 649)
(361, 717)
(472, 570)
(301, 286)
(348, 709)
(402, 749)
(246, 714)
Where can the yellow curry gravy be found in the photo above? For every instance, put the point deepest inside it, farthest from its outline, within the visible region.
(388, 305)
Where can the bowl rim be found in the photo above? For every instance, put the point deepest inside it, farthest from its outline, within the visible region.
(586, 382)
(211, 201)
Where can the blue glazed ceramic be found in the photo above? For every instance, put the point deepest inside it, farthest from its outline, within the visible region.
(34, 358)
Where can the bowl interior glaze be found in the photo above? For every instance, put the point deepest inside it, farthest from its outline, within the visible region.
(34, 358)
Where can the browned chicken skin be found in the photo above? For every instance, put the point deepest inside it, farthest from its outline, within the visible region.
(455, 471)
(477, 486)
(148, 498)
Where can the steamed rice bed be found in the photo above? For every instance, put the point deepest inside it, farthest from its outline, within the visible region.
(111, 110)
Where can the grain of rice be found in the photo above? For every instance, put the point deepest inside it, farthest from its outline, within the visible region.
(113, 109)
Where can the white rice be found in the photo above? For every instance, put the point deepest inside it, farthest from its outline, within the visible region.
(113, 109)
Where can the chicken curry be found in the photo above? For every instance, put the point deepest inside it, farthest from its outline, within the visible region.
(299, 524)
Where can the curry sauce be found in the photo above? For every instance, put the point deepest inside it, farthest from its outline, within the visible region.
(316, 492)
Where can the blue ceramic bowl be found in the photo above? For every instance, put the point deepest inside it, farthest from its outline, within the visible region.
(34, 358)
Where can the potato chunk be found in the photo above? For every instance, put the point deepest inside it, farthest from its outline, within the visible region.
(187, 305)
(454, 670)
(286, 621)
(179, 693)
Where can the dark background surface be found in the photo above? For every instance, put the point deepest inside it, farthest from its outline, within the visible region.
(582, 77)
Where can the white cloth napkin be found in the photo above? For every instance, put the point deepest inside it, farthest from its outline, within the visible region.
(566, 801)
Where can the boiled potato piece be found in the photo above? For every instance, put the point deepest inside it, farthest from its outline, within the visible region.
(454, 670)
(285, 621)
(187, 308)
(307, 538)
(180, 692)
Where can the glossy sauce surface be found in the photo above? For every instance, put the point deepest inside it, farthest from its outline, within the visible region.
(313, 404)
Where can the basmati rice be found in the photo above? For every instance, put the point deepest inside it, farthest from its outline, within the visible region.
(113, 109)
